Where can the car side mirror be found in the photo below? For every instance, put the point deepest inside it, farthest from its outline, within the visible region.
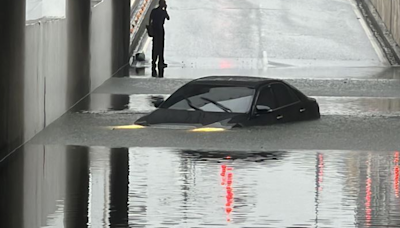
(263, 109)
(157, 101)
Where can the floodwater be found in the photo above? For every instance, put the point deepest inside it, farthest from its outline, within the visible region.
(74, 186)
(339, 106)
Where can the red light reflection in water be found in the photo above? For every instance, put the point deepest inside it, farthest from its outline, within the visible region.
(368, 194)
(227, 180)
(396, 174)
(320, 171)
(223, 174)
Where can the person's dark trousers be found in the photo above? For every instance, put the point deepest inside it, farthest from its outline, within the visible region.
(158, 54)
(161, 58)
(154, 57)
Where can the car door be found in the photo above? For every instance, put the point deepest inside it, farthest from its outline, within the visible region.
(265, 103)
(288, 104)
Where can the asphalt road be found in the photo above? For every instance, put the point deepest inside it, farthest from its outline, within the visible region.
(258, 34)
(339, 171)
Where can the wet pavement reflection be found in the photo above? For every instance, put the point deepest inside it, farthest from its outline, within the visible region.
(74, 186)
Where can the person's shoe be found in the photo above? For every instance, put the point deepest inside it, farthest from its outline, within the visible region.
(154, 74)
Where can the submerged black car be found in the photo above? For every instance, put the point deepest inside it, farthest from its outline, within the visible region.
(226, 102)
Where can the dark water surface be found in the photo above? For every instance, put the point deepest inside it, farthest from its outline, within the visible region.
(54, 186)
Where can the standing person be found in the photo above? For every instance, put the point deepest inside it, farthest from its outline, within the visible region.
(157, 20)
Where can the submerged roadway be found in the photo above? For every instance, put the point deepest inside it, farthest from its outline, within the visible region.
(339, 171)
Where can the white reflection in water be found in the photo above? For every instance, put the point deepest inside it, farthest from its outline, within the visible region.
(99, 187)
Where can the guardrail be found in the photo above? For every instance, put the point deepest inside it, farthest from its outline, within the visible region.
(389, 10)
(384, 16)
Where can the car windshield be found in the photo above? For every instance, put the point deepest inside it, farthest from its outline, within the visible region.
(209, 98)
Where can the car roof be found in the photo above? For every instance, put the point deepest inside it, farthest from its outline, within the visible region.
(234, 80)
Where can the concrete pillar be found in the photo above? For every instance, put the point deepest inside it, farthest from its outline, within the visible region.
(78, 76)
(12, 37)
(121, 36)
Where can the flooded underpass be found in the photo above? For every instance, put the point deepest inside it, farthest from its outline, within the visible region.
(75, 186)
(82, 168)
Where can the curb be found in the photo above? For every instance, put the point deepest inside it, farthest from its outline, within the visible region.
(378, 27)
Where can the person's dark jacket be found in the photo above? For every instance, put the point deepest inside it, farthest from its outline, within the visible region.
(157, 20)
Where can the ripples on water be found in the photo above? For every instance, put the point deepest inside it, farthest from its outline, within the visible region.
(160, 187)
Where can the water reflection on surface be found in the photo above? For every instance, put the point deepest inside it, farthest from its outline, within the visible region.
(54, 186)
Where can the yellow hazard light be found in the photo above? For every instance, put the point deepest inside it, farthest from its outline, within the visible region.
(128, 127)
(208, 129)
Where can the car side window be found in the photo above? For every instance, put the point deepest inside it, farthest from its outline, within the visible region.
(284, 95)
(266, 98)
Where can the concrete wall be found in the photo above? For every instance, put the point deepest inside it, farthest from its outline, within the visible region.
(49, 65)
(389, 10)
(100, 67)
(11, 74)
(45, 74)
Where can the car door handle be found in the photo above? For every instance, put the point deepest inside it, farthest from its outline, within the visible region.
(302, 110)
(279, 117)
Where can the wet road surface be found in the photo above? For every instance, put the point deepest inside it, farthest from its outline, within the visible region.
(339, 171)
(259, 34)
(306, 32)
